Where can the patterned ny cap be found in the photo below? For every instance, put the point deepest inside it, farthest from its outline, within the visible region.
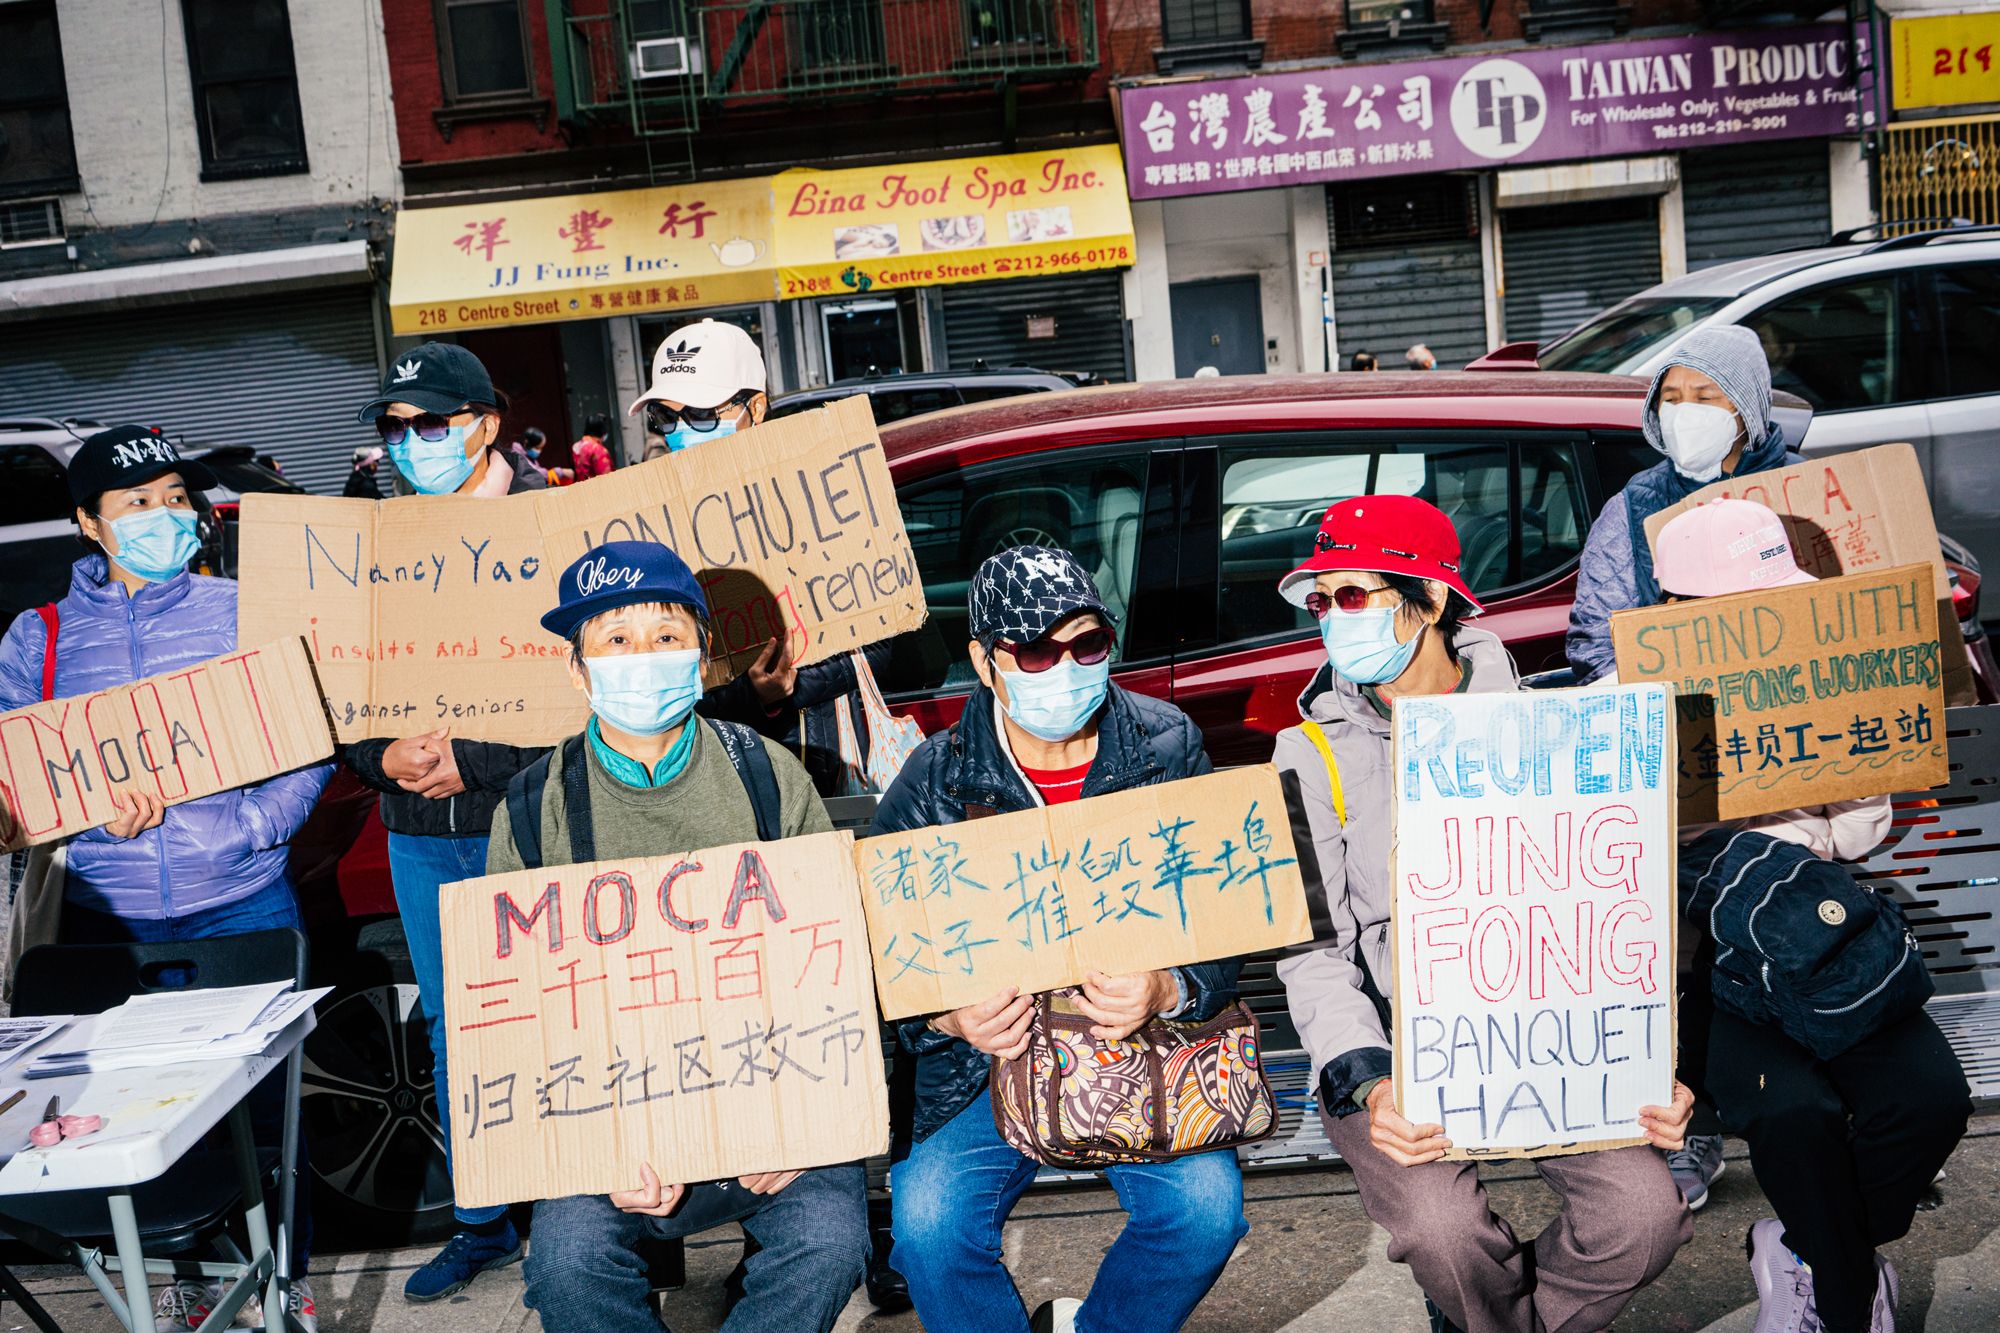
(1020, 594)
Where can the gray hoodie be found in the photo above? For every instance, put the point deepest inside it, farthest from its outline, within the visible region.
(1344, 1027)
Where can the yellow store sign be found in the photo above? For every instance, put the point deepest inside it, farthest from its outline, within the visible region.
(799, 234)
(1948, 60)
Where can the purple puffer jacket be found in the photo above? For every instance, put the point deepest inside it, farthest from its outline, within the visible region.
(208, 851)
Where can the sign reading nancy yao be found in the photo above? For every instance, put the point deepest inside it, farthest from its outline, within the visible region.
(1533, 882)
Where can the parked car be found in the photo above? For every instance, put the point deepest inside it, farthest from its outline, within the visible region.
(1889, 340)
(898, 396)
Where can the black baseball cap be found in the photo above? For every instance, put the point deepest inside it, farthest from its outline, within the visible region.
(125, 456)
(437, 377)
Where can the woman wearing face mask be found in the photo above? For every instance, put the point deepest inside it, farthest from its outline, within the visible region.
(1709, 412)
(212, 866)
(1047, 726)
(1383, 582)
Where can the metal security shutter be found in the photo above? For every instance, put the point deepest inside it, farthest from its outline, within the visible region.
(1565, 262)
(1754, 199)
(281, 376)
(1406, 269)
(988, 321)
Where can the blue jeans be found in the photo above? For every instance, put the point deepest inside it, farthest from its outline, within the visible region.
(585, 1274)
(420, 866)
(270, 909)
(953, 1193)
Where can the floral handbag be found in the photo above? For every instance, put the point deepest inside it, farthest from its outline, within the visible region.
(1168, 1090)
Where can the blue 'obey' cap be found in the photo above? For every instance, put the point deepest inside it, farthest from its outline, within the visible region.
(617, 574)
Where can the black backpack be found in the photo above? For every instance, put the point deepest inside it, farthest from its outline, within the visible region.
(524, 794)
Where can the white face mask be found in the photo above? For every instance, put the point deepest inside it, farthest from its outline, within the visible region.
(1698, 438)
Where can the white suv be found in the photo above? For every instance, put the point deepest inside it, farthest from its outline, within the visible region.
(1891, 340)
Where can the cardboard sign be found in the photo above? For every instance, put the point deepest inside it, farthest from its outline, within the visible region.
(1533, 909)
(1156, 877)
(223, 723)
(1855, 513)
(1797, 696)
(425, 611)
(707, 1013)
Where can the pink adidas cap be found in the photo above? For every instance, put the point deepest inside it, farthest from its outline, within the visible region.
(1722, 547)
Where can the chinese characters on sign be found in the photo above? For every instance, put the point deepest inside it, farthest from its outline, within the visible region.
(709, 1013)
(1533, 879)
(1178, 873)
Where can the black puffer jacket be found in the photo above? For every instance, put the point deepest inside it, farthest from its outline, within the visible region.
(1140, 742)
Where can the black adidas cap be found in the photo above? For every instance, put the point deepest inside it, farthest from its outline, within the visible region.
(437, 377)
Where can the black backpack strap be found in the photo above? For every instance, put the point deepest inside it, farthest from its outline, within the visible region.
(752, 763)
(524, 811)
(576, 802)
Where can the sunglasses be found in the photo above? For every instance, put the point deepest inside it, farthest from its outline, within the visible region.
(664, 420)
(1349, 597)
(429, 426)
(1087, 649)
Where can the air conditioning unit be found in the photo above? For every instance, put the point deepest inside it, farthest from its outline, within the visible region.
(666, 58)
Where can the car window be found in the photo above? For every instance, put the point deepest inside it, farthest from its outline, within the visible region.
(1969, 302)
(1553, 521)
(986, 393)
(1624, 336)
(896, 404)
(1091, 504)
(37, 489)
(1621, 458)
(1836, 346)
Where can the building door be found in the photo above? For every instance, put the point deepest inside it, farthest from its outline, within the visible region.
(527, 369)
(1218, 323)
(870, 335)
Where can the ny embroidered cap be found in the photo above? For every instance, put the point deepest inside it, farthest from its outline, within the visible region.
(1020, 594)
(1385, 534)
(436, 377)
(704, 364)
(617, 574)
(1722, 547)
(129, 456)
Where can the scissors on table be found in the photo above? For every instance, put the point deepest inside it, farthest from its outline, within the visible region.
(55, 1126)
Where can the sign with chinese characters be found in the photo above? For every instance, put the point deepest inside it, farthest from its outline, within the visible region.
(1617, 99)
(1945, 59)
(1798, 696)
(1183, 872)
(425, 611)
(586, 256)
(1532, 875)
(707, 1013)
(228, 722)
(924, 224)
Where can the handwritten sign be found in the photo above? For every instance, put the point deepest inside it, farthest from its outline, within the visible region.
(1533, 881)
(224, 723)
(708, 1013)
(1797, 696)
(425, 611)
(1155, 877)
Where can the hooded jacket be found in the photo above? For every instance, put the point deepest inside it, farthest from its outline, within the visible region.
(205, 852)
(1338, 985)
(1140, 742)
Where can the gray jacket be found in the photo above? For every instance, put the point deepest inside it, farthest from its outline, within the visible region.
(1339, 984)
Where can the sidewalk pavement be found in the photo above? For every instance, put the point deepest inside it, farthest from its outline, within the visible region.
(1311, 1264)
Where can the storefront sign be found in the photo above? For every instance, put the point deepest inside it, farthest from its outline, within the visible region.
(1617, 99)
(966, 220)
(623, 252)
(1948, 60)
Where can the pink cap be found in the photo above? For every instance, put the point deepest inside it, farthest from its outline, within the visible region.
(1722, 547)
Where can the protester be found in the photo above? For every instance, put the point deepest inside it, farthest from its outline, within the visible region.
(658, 782)
(1419, 357)
(437, 414)
(1843, 1147)
(1383, 582)
(1044, 727)
(590, 456)
(215, 865)
(362, 483)
(1363, 361)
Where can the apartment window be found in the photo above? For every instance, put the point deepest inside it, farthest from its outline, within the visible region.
(1186, 22)
(246, 88)
(37, 153)
(1362, 12)
(483, 50)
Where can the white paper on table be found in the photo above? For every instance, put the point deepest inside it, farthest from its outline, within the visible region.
(89, 1056)
(20, 1035)
(181, 1017)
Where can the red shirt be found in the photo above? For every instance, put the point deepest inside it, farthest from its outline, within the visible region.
(591, 457)
(1058, 786)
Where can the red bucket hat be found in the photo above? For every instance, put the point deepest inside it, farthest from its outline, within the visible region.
(1386, 534)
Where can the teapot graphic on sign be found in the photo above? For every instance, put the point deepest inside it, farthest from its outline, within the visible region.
(737, 251)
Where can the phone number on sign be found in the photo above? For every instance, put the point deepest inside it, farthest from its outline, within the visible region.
(1110, 254)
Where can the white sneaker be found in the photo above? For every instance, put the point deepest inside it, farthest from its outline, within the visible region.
(183, 1304)
(1888, 1288)
(1057, 1316)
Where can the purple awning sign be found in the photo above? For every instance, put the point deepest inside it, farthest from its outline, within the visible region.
(1610, 99)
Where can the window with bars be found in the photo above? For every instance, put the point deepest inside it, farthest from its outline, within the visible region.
(246, 88)
(31, 222)
(1186, 22)
(37, 152)
(483, 50)
(1404, 211)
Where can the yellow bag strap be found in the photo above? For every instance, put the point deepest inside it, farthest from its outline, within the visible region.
(1317, 735)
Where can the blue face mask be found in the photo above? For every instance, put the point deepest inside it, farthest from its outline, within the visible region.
(644, 694)
(434, 467)
(685, 436)
(1362, 644)
(1054, 704)
(156, 544)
